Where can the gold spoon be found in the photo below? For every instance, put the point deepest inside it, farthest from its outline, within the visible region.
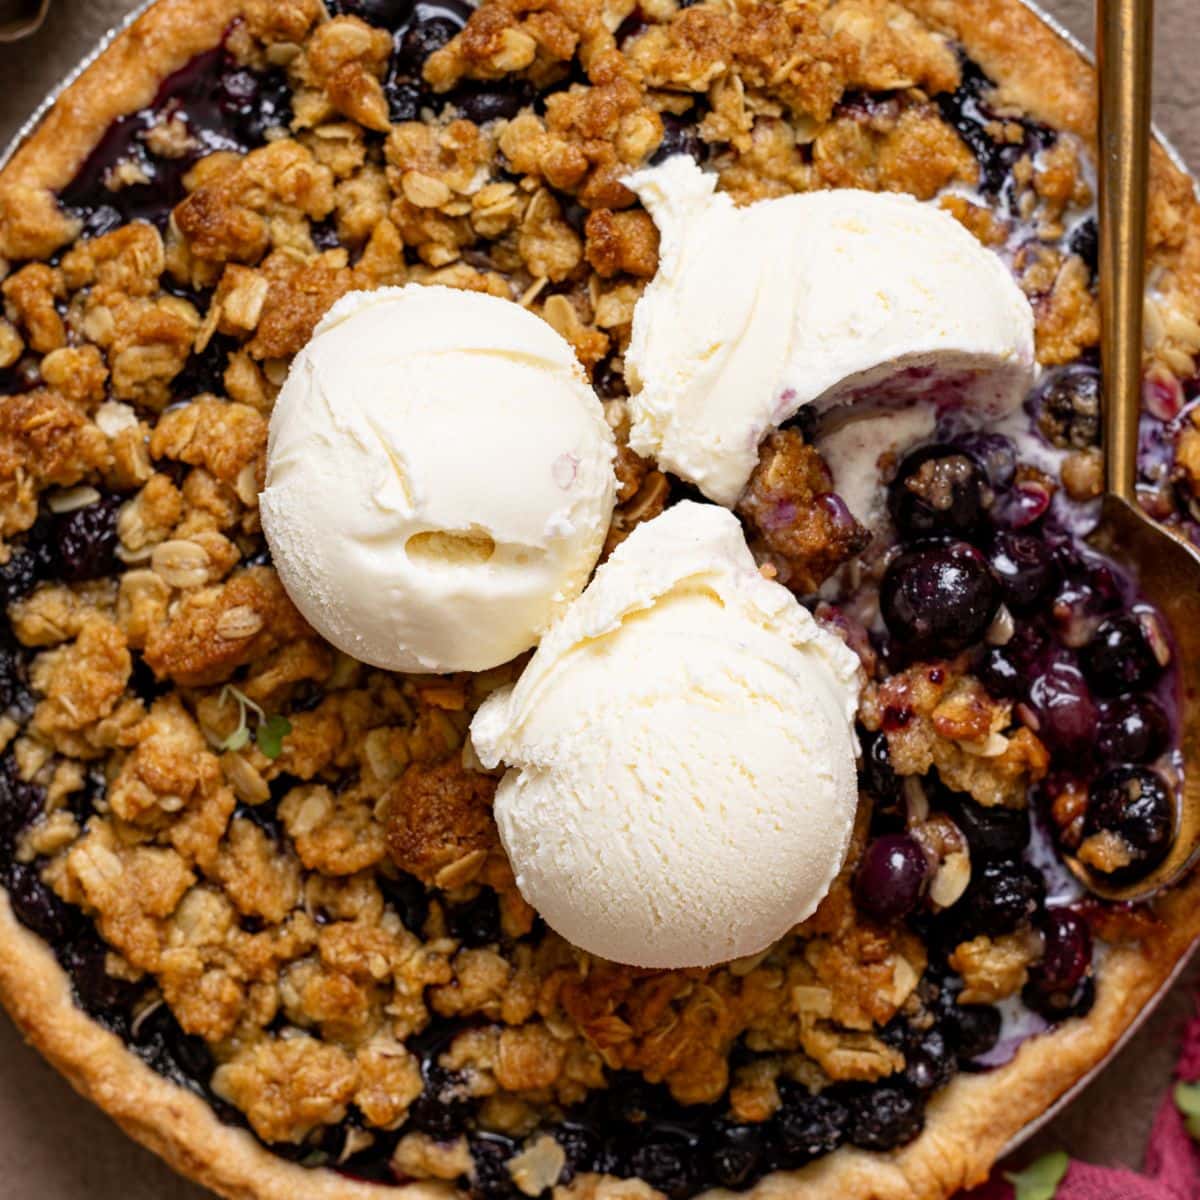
(1166, 566)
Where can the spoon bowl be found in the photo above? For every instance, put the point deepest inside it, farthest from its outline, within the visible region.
(1168, 571)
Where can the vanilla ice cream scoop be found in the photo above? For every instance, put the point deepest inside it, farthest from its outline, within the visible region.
(439, 479)
(681, 785)
(819, 298)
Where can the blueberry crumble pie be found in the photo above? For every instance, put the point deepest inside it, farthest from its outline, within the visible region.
(307, 906)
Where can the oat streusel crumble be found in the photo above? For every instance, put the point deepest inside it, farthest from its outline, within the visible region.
(274, 871)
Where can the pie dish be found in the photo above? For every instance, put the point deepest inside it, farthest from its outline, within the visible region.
(254, 902)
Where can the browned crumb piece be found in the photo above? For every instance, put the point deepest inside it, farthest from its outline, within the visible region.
(31, 294)
(934, 716)
(804, 528)
(299, 295)
(216, 630)
(1106, 852)
(995, 968)
(44, 441)
(439, 820)
(287, 1085)
(622, 242)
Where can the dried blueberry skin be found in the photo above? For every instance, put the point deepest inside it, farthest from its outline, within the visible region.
(738, 1153)
(809, 1126)
(85, 541)
(884, 1117)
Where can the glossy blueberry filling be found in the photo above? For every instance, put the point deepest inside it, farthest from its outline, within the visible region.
(1084, 655)
(217, 104)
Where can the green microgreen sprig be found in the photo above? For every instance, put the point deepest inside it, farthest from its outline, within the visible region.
(1040, 1180)
(269, 730)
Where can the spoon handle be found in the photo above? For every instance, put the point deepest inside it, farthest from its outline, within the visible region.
(1124, 53)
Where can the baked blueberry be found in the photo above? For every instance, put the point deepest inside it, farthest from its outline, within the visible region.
(991, 831)
(1025, 568)
(938, 490)
(666, 1159)
(1121, 656)
(1065, 709)
(737, 1153)
(884, 1116)
(1135, 804)
(1002, 896)
(972, 1029)
(1133, 729)
(1067, 954)
(809, 1125)
(1068, 406)
(938, 598)
(85, 540)
(891, 877)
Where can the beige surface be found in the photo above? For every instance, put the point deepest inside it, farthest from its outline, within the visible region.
(55, 1147)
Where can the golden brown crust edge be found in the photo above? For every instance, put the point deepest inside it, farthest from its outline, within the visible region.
(968, 1124)
(125, 77)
